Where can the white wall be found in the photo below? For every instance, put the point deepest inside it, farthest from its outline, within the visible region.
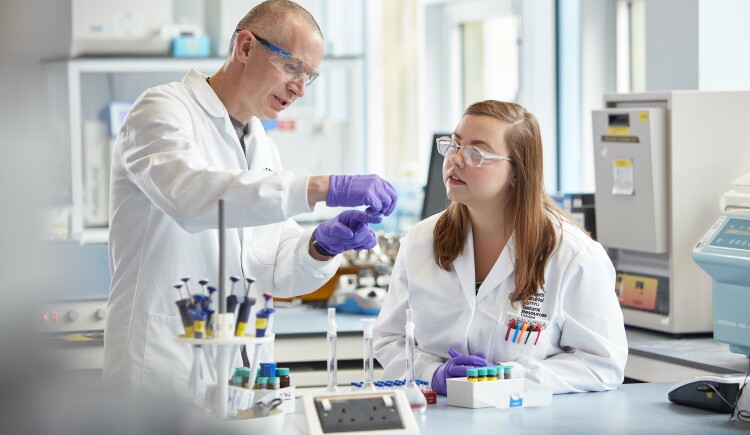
(724, 44)
(697, 44)
(671, 44)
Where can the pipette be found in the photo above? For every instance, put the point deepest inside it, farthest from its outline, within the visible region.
(232, 298)
(414, 394)
(185, 279)
(182, 306)
(367, 361)
(199, 330)
(332, 362)
(244, 315)
(262, 317)
(203, 284)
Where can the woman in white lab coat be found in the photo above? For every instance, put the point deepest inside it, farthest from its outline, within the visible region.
(503, 255)
(179, 152)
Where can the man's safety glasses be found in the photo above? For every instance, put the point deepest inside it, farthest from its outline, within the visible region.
(473, 156)
(294, 68)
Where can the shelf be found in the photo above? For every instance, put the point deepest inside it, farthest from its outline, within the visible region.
(139, 64)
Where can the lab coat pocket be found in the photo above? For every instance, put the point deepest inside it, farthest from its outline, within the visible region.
(166, 363)
(518, 331)
(265, 242)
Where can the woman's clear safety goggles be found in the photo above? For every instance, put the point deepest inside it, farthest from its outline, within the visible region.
(294, 68)
(473, 156)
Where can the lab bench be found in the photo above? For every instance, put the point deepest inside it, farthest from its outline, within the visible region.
(659, 357)
(301, 343)
(631, 408)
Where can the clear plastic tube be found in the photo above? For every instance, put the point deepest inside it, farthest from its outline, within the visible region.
(367, 361)
(332, 361)
(414, 394)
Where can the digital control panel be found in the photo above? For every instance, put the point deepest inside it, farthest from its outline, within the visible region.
(735, 234)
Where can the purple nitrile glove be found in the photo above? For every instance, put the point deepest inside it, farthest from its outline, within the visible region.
(455, 368)
(356, 190)
(347, 231)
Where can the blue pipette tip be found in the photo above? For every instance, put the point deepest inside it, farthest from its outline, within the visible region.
(234, 278)
(203, 282)
(211, 289)
(250, 279)
(185, 279)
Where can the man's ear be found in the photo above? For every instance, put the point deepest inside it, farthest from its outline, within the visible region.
(245, 43)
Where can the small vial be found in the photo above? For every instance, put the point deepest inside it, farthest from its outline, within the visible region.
(471, 375)
(257, 376)
(481, 374)
(273, 383)
(429, 394)
(500, 372)
(262, 383)
(244, 372)
(491, 373)
(283, 374)
(236, 380)
(508, 370)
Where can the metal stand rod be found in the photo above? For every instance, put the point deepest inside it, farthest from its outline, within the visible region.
(222, 360)
(222, 249)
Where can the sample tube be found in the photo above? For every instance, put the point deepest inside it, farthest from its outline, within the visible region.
(262, 383)
(491, 373)
(508, 372)
(332, 362)
(481, 374)
(274, 383)
(416, 399)
(283, 374)
(368, 325)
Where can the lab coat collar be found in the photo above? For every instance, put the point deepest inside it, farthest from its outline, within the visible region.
(464, 267)
(205, 96)
(500, 271)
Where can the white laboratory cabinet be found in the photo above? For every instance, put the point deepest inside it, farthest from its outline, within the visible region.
(321, 133)
(662, 161)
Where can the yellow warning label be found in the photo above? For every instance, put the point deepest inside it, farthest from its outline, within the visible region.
(622, 163)
(618, 130)
(643, 116)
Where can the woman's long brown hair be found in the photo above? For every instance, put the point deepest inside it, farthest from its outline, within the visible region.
(530, 207)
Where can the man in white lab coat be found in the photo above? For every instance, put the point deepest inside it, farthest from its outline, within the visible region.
(184, 146)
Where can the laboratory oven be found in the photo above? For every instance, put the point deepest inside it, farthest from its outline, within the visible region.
(77, 301)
